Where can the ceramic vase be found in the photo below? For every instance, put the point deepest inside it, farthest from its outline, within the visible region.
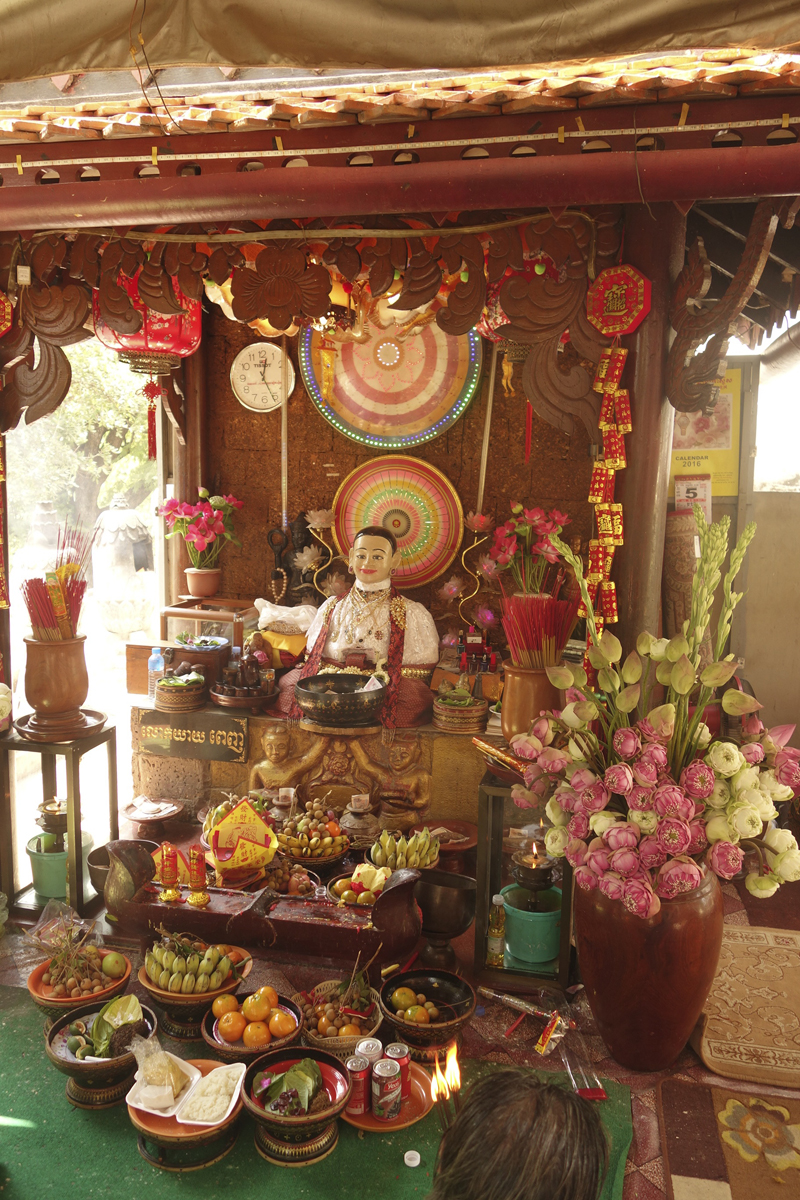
(647, 980)
(56, 684)
(526, 692)
(203, 581)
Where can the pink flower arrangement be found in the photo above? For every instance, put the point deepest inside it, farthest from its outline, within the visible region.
(206, 527)
(523, 544)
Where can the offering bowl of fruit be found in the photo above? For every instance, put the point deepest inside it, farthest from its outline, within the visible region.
(290, 879)
(240, 1029)
(184, 976)
(360, 887)
(76, 974)
(314, 834)
(420, 851)
(295, 1097)
(91, 1045)
(338, 1014)
(217, 812)
(426, 1008)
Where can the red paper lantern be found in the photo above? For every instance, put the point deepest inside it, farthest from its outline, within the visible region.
(161, 342)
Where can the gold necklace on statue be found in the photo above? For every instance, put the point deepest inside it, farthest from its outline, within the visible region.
(365, 609)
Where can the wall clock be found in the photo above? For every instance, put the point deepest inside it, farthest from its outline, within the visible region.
(256, 376)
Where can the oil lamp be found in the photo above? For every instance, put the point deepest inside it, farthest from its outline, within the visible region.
(198, 896)
(170, 892)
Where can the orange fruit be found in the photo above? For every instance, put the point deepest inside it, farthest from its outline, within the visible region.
(231, 1026)
(224, 1004)
(349, 1031)
(323, 1025)
(257, 1007)
(419, 1014)
(236, 956)
(281, 1024)
(256, 1034)
(271, 995)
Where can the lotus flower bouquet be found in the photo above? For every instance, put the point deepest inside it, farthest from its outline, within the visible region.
(645, 803)
(537, 621)
(206, 527)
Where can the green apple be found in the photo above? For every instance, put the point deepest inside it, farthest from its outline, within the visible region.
(114, 965)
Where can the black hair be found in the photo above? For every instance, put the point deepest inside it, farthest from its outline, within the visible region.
(517, 1138)
(377, 531)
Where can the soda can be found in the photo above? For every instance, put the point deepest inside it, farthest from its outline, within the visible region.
(386, 1090)
(370, 1049)
(360, 1072)
(402, 1055)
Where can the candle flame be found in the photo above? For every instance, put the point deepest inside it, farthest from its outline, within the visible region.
(439, 1086)
(452, 1074)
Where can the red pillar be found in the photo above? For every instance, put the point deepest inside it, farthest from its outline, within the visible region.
(654, 243)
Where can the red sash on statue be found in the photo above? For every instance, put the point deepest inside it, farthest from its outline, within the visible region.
(397, 637)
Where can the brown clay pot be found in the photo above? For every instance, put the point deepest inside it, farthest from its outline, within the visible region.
(526, 692)
(647, 980)
(203, 581)
(56, 682)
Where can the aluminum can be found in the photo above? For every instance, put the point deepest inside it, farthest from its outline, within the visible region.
(360, 1072)
(370, 1049)
(401, 1054)
(386, 1090)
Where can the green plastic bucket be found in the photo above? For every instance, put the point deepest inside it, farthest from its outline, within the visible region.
(532, 937)
(49, 869)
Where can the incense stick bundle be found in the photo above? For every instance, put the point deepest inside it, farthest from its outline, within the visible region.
(44, 623)
(538, 627)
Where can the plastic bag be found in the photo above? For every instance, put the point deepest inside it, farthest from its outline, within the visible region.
(58, 927)
(157, 1070)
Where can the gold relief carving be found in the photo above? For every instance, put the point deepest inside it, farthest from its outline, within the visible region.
(402, 774)
(290, 757)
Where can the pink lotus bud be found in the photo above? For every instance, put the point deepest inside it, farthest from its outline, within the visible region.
(553, 761)
(640, 799)
(787, 769)
(598, 856)
(626, 742)
(582, 778)
(752, 724)
(594, 798)
(640, 899)
(522, 797)
(586, 878)
(651, 854)
(576, 852)
(625, 862)
(645, 772)
(676, 876)
(525, 746)
(612, 885)
(670, 801)
(725, 859)
(532, 774)
(568, 799)
(543, 730)
(698, 780)
(622, 836)
(752, 753)
(579, 825)
(673, 835)
(699, 841)
(619, 779)
(656, 754)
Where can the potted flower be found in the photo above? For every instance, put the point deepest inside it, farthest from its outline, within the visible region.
(537, 618)
(206, 527)
(649, 812)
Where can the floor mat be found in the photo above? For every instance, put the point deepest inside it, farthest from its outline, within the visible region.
(750, 1028)
(721, 1144)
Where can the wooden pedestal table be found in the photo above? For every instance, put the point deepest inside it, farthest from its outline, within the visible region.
(73, 752)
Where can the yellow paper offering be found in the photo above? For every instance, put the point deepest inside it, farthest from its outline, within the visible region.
(242, 840)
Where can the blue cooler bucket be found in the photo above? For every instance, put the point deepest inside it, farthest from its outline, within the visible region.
(532, 937)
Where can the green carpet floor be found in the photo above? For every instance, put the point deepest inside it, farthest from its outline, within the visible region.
(52, 1151)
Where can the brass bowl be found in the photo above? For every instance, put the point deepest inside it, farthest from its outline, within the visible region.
(335, 699)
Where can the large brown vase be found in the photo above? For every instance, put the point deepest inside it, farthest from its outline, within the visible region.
(526, 692)
(56, 685)
(647, 980)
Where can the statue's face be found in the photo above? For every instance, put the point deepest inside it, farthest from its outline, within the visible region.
(402, 755)
(372, 560)
(276, 747)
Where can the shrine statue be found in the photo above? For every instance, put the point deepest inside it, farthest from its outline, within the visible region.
(405, 785)
(284, 765)
(372, 623)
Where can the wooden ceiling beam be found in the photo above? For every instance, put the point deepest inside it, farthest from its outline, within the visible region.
(724, 251)
(736, 219)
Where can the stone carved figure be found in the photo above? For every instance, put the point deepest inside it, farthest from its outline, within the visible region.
(404, 781)
(286, 760)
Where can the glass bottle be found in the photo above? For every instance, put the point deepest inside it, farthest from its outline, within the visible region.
(155, 670)
(496, 939)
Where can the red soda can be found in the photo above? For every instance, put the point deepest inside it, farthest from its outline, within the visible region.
(360, 1072)
(402, 1055)
(386, 1090)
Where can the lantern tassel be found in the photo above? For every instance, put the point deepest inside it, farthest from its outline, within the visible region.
(152, 390)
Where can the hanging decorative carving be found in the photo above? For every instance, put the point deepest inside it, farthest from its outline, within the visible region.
(155, 285)
(84, 259)
(690, 377)
(223, 261)
(57, 314)
(281, 287)
(47, 257)
(465, 303)
(556, 395)
(342, 254)
(422, 278)
(538, 307)
(35, 390)
(505, 251)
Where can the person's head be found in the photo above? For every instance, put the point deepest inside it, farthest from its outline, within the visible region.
(276, 742)
(519, 1139)
(374, 555)
(403, 752)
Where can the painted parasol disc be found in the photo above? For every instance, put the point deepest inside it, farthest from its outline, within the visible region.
(412, 499)
(391, 392)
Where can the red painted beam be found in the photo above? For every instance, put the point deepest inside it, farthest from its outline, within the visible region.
(602, 178)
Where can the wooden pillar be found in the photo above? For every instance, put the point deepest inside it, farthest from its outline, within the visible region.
(655, 245)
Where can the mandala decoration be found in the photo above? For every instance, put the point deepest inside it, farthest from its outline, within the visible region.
(413, 500)
(392, 392)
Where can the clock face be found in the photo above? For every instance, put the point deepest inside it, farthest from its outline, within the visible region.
(256, 376)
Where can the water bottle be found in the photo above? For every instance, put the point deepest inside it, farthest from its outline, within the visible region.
(155, 671)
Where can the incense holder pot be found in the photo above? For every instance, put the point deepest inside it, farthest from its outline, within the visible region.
(526, 693)
(56, 685)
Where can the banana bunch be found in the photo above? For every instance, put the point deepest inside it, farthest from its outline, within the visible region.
(192, 975)
(395, 853)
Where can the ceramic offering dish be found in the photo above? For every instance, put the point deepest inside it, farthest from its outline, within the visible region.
(453, 998)
(417, 1106)
(92, 1083)
(184, 1011)
(238, 1050)
(43, 993)
(171, 1145)
(296, 1140)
